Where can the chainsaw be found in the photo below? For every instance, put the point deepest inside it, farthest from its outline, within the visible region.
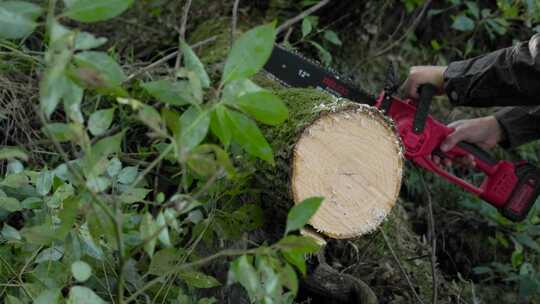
(511, 187)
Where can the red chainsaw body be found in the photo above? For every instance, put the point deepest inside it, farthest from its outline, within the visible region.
(500, 177)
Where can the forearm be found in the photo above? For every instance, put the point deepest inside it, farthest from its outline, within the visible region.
(520, 125)
(507, 77)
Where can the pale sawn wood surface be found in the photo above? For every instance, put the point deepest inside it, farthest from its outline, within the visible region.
(352, 158)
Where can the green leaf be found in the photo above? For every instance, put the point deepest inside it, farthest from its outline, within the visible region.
(194, 125)
(242, 271)
(301, 213)
(263, 106)
(219, 126)
(95, 162)
(246, 133)
(68, 216)
(192, 62)
(303, 244)
(128, 175)
(528, 241)
(100, 121)
(40, 235)
(44, 182)
(133, 195)
(12, 300)
(148, 229)
(164, 233)
(13, 152)
(86, 41)
(99, 71)
(81, 271)
(150, 117)
(176, 93)
(289, 278)
(62, 132)
(114, 167)
(83, 295)
(96, 10)
(54, 85)
(332, 37)
(17, 19)
(249, 53)
(237, 88)
(198, 279)
(163, 261)
(72, 98)
(10, 233)
(10, 204)
(54, 253)
(325, 56)
(307, 27)
(49, 296)
(473, 8)
(296, 259)
(463, 23)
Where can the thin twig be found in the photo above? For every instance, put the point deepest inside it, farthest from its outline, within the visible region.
(166, 58)
(398, 41)
(182, 36)
(234, 20)
(431, 221)
(301, 16)
(401, 267)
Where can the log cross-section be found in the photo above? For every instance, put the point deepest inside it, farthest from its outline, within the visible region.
(351, 157)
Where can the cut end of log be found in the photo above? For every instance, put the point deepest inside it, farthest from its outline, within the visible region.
(353, 158)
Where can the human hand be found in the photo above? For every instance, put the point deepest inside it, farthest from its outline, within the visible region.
(419, 75)
(485, 132)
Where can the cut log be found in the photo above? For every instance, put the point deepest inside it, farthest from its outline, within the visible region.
(346, 152)
(352, 158)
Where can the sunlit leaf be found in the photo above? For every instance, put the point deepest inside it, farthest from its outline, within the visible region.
(83, 295)
(263, 106)
(164, 233)
(172, 92)
(12, 153)
(249, 53)
(147, 232)
(218, 125)
(100, 121)
(96, 10)
(332, 37)
(306, 27)
(10, 204)
(192, 62)
(98, 71)
(246, 133)
(297, 243)
(243, 272)
(194, 124)
(198, 279)
(301, 213)
(49, 296)
(81, 271)
(17, 19)
(44, 182)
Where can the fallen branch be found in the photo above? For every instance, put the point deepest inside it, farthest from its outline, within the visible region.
(301, 16)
